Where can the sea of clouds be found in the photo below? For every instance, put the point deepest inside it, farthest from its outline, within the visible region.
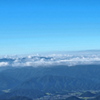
(49, 60)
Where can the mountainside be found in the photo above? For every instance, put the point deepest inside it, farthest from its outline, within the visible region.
(7, 82)
(87, 94)
(36, 82)
(97, 98)
(73, 98)
(19, 98)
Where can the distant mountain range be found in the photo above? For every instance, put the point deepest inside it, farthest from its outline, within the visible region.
(35, 76)
(35, 82)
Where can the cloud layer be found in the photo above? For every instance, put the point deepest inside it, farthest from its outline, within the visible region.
(49, 60)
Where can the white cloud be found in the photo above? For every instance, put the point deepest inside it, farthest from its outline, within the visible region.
(49, 60)
(2, 64)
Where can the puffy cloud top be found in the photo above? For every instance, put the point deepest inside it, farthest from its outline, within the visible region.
(4, 64)
(49, 60)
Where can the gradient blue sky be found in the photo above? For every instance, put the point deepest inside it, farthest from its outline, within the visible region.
(34, 26)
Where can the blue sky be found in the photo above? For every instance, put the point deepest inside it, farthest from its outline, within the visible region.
(34, 26)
